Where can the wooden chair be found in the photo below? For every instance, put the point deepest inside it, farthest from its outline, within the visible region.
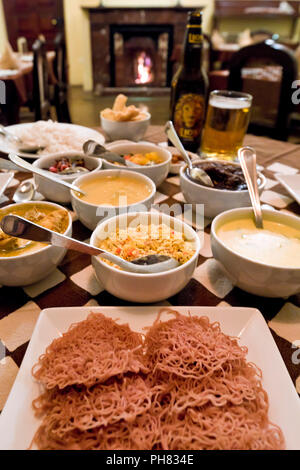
(41, 90)
(272, 54)
(61, 86)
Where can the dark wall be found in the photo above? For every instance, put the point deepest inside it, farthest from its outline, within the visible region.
(29, 18)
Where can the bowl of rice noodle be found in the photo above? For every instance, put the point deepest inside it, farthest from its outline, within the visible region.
(135, 235)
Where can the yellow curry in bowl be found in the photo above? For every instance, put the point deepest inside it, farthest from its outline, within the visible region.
(114, 190)
(50, 217)
(141, 159)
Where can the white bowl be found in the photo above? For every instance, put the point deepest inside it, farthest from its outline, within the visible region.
(253, 276)
(30, 268)
(176, 167)
(215, 201)
(54, 191)
(91, 214)
(144, 288)
(158, 173)
(132, 130)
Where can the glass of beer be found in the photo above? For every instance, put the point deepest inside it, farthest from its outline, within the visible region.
(227, 121)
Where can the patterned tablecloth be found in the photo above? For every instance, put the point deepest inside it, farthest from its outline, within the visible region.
(73, 283)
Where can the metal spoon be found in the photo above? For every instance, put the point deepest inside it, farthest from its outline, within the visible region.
(18, 227)
(45, 174)
(25, 192)
(93, 149)
(247, 157)
(7, 165)
(196, 174)
(22, 147)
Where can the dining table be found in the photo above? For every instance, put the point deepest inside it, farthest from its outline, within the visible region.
(73, 283)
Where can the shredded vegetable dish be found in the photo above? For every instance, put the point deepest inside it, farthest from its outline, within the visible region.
(143, 240)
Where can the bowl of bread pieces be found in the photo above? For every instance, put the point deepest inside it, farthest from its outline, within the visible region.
(124, 122)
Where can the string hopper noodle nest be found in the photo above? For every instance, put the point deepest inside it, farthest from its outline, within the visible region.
(184, 385)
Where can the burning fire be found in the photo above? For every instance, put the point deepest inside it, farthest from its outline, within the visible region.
(144, 66)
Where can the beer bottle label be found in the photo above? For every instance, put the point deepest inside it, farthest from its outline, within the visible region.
(189, 116)
(195, 37)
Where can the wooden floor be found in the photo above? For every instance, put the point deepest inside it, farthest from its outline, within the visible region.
(85, 107)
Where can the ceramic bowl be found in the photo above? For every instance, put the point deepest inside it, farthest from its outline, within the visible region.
(132, 130)
(176, 167)
(56, 192)
(144, 288)
(30, 268)
(253, 276)
(157, 173)
(215, 200)
(91, 214)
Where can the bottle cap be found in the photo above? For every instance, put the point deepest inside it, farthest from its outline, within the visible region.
(195, 17)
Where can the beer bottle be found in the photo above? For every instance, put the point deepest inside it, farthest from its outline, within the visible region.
(189, 87)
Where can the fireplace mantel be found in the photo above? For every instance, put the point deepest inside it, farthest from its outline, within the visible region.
(158, 4)
(158, 9)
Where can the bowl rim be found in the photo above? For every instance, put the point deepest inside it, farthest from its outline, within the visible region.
(153, 275)
(249, 210)
(177, 166)
(55, 156)
(93, 174)
(47, 203)
(148, 117)
(223, 191)
(167, 161)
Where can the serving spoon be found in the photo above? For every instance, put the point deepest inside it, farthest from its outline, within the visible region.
(22, 147)
(93, 149)
(45, 174)
(196, 174)
(19, 227)
(247, 157)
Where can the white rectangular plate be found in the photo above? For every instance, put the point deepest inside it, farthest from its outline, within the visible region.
(18, 424)
(292, 184)
(5, 179)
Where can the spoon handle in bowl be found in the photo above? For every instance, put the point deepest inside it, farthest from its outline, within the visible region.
(93, 149)
(19, 227)
(247, 157)
(45, 174)
(173, 137)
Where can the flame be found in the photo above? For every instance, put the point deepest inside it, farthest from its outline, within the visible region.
(144, 66)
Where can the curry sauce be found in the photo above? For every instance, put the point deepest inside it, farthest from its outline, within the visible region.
(46, 216)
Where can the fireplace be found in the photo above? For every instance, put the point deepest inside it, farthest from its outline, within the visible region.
(140, 55)
(131, 47)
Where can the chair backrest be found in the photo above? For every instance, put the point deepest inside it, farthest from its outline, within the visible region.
(61, 74)
(41, 92)
(209, 52)
(276, 57)
(60, 65)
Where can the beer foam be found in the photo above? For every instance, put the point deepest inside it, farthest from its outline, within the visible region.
(225, 102)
